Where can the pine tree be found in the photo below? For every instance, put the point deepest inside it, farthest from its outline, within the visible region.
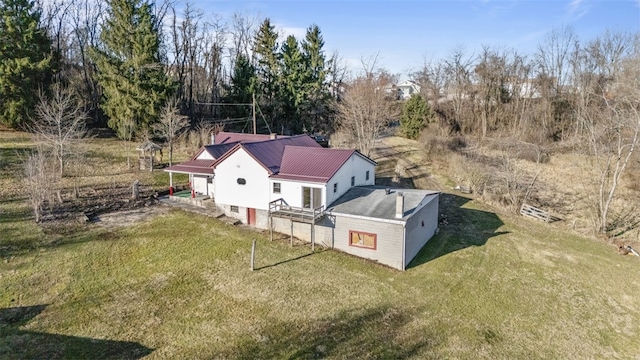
(25, 60)
(267, 70)
(293, 83)
(134, 85)
(318, 97)
(416, 113)
(241, 88)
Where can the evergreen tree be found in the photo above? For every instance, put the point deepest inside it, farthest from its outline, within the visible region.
(316, 107)
(134, 85)
(293, 84)
(267, 70)
(241, 88)
(25, 60)
(416, 113)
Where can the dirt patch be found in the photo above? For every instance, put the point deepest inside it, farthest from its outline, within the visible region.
(130, 217)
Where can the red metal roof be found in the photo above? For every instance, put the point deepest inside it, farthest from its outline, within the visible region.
(204, 167)
(269, 153)
(229, 137)
(312, 164)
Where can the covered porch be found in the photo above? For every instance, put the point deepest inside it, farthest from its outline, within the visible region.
(200, 179)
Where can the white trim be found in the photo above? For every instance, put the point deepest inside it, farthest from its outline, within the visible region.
(275, 179)
(190, 173)
(388, 221)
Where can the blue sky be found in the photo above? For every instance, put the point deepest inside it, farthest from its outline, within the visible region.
(406, 32)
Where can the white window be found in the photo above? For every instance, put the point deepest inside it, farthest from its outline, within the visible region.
(353, 181)
(367, 175)
(276, 188)
(335, 188)
(234, 209)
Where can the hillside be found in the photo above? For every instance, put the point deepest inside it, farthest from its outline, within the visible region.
(490, 285)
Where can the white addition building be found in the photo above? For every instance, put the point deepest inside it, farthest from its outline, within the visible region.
(322, 195)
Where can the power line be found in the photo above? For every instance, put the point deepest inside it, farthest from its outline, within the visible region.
(220, 104)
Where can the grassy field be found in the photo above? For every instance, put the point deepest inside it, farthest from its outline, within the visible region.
(179, 286)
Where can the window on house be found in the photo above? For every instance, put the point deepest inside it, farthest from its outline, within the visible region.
(234, 209)
(276, 188)
(311, 197)
(367, 175)
(241, 181)
(362, 239)
(335, 187)
(353, 181)
(210, 180)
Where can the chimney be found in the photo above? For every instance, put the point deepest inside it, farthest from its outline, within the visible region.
(273, 136)
(213, 138)
(400, 205)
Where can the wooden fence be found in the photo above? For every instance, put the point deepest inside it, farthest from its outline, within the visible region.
(534, 212)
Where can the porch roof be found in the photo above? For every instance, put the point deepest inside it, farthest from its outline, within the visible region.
(201, 167)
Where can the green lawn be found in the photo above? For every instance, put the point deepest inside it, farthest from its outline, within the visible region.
(488, 285)
(180, 286)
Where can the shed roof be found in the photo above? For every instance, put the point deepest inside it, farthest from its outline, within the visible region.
(148, 145)
(312, 163)
(269, 153)
(204, 167)
(374, 202)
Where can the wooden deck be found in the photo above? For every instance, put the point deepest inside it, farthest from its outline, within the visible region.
(280, 209)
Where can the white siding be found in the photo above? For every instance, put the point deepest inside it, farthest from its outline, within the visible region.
(201, 186)
(356, 166)
(254, 194)
(421, 226)
(204, 155)
(291, 191)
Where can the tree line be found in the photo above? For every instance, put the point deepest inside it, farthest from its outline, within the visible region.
(124, 60)
(149, 69)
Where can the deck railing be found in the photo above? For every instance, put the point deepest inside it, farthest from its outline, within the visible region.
(280, 208)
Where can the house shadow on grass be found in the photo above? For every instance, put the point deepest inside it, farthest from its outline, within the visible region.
(460, 228)
(372, 333)
(21, 344)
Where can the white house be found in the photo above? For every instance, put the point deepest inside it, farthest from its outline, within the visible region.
(322, 195)
(406, 89)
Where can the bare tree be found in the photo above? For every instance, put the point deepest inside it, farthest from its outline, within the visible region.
(126, 132)
(170, 125)
(431, 78)
(336, 74)
(60, 121)
(39, 179)
(367, 107)
(459, 90)
(614, 134)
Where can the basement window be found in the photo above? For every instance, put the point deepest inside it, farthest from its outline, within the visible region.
(363, 239)
(234, 209)
(241, 181)
(276, 188)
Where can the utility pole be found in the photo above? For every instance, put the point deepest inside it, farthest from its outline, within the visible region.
(253, 105)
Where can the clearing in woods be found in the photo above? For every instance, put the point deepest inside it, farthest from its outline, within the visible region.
(489, 285)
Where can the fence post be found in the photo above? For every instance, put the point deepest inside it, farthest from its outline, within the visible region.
(253, 253)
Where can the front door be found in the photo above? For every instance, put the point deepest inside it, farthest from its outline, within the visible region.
(251, 216)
